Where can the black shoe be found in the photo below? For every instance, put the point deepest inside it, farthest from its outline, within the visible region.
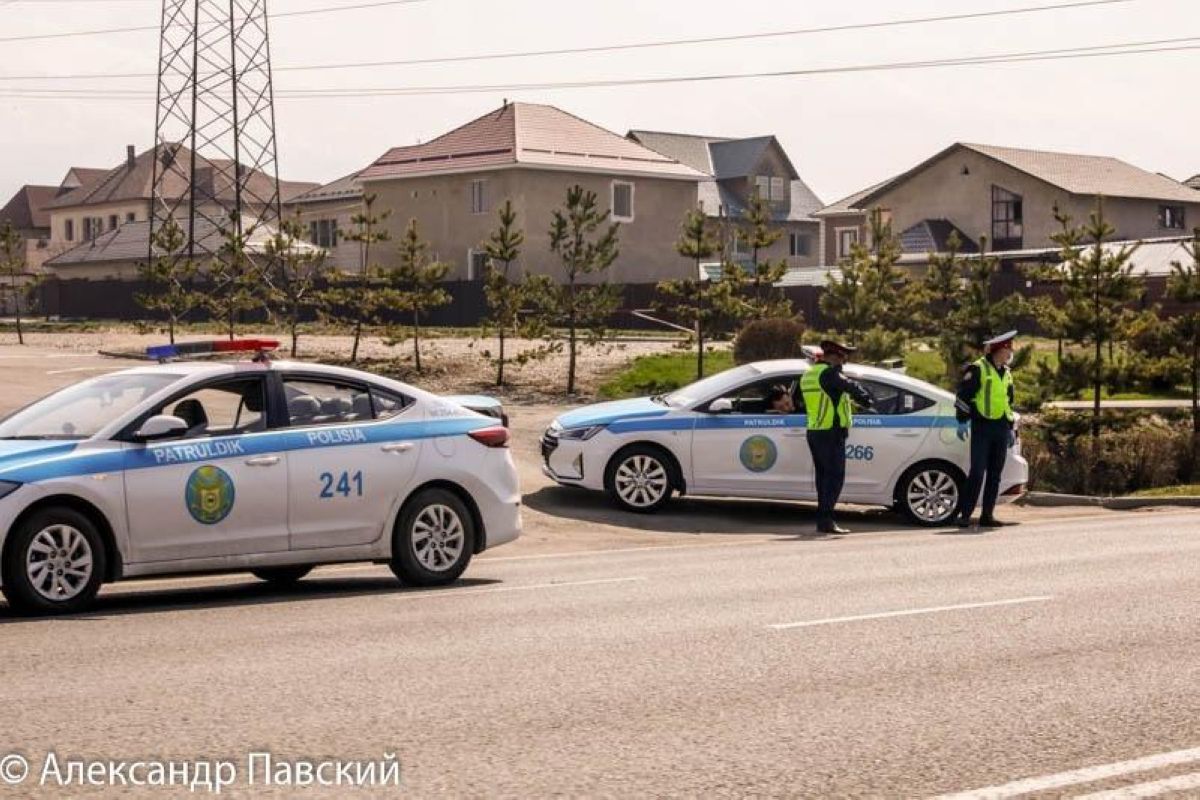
(963, 522)
(835, 528)
(992, 522)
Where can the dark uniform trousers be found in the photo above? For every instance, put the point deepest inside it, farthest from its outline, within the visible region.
(828, 450)
(989, 450)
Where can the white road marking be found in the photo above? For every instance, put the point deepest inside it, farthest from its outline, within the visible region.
(497, 589)
(1077, 776)
(909, 612)
(1179, 783)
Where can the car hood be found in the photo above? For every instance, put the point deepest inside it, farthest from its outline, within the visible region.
(607, 413)
(18, 452)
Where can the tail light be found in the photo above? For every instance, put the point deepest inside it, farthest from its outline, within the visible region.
(491, 437)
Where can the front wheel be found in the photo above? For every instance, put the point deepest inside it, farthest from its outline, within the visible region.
(639, 479)
(928, 494)
(434, 539)
(54, 563)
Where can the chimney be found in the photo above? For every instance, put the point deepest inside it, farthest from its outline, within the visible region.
(130, 156)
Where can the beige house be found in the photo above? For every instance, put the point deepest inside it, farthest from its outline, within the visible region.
(326, 213)
(85, 220)
(734, 170)
(1009, 195)
(532, 154)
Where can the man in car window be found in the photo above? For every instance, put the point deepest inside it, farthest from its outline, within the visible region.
(779, 401)
(827, 395)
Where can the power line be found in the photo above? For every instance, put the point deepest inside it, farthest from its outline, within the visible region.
(1094, 51)
(583, 50)
(141, 28)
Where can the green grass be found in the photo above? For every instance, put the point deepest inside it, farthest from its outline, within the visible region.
(1182, 490)
(655, 374)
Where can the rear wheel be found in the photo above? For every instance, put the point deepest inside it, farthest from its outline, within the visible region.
(928, 493)
(54, 563)
(282, 576)
(638, 479)
(433, 540)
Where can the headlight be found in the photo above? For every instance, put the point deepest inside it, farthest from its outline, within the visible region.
(8, 487)
(581, 434)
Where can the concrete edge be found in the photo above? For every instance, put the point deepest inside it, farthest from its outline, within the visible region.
(1053, 500)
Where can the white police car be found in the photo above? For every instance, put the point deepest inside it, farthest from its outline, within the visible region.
(271, 467)
(716, 437)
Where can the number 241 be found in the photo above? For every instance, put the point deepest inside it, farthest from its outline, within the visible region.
(345, 485)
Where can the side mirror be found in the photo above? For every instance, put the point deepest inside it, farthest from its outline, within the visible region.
(722, 405)
(161, 427)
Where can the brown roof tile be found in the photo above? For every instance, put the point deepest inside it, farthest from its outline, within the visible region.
(28, 207)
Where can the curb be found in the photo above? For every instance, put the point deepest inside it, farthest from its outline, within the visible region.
(1052, 500)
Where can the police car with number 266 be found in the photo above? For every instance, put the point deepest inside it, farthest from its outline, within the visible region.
(270, 467)
(717, 437)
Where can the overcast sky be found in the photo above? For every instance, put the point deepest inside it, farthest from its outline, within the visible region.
(843, 131)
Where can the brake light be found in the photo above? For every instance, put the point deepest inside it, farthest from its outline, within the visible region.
(491, 437)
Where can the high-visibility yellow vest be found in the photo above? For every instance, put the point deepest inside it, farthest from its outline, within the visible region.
(991, 401)
(819, 406)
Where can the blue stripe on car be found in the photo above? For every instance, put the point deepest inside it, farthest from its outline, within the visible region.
(217, 448)
(768, 421)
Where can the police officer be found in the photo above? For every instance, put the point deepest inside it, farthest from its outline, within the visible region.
(827, 394)
(985, 400)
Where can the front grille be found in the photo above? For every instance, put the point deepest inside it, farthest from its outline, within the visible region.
(549, 445)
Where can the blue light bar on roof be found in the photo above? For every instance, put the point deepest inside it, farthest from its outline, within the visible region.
(164, 351)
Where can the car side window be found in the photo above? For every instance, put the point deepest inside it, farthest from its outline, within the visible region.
(752, 398)
(321, 402)
(388, 404)
(227, 408)
(891, 400)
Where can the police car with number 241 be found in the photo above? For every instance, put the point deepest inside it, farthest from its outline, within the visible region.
(270, 467)
(716, 437)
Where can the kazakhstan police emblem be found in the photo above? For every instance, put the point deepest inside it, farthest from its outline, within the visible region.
(209, 495)
(758, 454)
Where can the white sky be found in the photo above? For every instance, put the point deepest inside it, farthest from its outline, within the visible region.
(843, 132)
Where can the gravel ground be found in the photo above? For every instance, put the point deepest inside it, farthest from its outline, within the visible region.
(452, 364)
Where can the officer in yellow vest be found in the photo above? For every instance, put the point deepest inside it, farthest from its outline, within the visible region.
(827, 395)
(985, 400)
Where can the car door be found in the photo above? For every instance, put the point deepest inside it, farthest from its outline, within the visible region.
(747, 450)
(221, 490)
(884, 441)
(354, 454)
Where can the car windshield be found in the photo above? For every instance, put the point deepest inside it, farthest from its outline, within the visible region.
(82, 410)
(707, 387)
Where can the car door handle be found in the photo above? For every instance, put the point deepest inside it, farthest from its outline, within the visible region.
(397, 447)
(793, 433)
(907, 434)
(262, 461)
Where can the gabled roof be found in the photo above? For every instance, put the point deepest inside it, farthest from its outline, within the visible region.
(538, 136)
(27, 208)
(80, 176)
(1071, 172)
(346, 187)
(1193, 182)
(131, 242)
(931, 236)
(718, 156)
(683, 147)
(134, 181)
(848, 204)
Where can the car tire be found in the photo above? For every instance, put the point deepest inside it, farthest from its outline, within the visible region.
(54, 563)
(640, 478)
(282, 576)
(434, 539)
(928, 493)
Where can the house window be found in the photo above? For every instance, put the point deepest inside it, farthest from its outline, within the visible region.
(739, 247)
(846, 239)
(799, 244)
(622, 201)
(131, 217)
(1007, 219)
(92, 228)
(478, 198)
(777, 188)
(477, 261)
(762, 183)
(113, 222)
(323, 233)
(69, 230)
(1170, 217)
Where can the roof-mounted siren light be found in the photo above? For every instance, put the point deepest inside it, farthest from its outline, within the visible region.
(260, 347)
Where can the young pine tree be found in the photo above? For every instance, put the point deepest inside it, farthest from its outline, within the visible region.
(171, 275)
(687, 300)
(237, 282)
(356, 299)
(417, 284)
(1183, 286)
(1097, 285)
(586, 246)
(505, 296)
(765, 300)
(12, 266)
(298, 271)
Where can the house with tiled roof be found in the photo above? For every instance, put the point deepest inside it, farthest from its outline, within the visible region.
(325, 212)
(101, 202)
(1193, 182)
(736, 168)
(1008, 195)
(532, 155)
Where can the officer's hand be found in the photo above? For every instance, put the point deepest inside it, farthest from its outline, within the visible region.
(963, 428)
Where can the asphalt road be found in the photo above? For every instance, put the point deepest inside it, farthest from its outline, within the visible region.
(898, 664)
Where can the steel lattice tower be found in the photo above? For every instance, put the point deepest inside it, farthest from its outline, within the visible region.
(214, 131)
